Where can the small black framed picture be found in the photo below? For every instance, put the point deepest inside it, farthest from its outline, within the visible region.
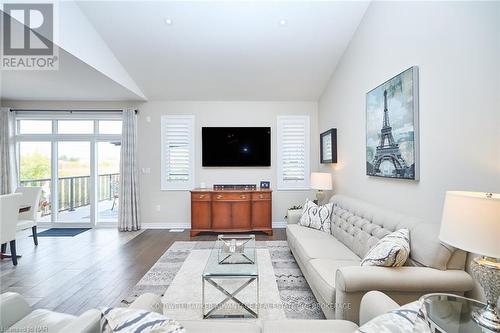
(328, 146)
(265, 184)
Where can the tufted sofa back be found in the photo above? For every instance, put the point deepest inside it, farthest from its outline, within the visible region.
(360, 225)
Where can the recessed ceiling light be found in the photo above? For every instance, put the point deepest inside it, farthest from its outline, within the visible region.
(168, 21)
(283, 22)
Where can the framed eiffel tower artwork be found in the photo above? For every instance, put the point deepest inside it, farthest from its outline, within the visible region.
(392, 148)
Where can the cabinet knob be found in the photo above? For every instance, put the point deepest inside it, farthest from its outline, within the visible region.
(243, 196)
(261, 196)
(202, 196)
(219, 196)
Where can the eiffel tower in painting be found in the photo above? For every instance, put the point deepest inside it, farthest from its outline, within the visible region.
(388, 150)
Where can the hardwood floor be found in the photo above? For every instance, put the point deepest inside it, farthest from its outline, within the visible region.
(96, 268)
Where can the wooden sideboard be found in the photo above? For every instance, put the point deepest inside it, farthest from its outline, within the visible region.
(231, 211)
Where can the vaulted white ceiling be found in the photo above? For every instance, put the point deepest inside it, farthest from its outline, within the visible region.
(213, 50)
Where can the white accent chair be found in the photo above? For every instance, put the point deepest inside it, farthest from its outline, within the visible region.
(9, 211)
(31, 197)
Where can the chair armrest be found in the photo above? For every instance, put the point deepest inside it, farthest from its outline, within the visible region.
(149, 302)
(374, 304)
(87, 322)
(13, 307)
(293, 216)
(407, 279)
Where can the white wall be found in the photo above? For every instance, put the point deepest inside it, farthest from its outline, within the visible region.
(457, 48)
(175, 205)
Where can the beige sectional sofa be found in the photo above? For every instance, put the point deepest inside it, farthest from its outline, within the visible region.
(331, 262)
(17, 316)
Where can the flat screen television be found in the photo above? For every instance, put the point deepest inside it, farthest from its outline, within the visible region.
(236, 146)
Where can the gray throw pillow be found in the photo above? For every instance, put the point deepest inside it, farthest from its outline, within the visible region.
(125, 320)
(406, 319)
(391, 251)
(316, 217)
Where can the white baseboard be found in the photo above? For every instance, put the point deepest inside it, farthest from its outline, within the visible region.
(276, 224)
(279, 224)
(165, 226)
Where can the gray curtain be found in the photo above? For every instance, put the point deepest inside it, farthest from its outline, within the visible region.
(8, 167)
(129, 181)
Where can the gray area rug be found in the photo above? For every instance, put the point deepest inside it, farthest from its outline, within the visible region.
(297, 298)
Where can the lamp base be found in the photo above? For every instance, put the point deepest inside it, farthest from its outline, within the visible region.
(487, 272)
(320, 197)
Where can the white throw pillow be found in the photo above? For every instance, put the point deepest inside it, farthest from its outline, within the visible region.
(316, 217)
(391, 251)
(406, 319)
(125, 320)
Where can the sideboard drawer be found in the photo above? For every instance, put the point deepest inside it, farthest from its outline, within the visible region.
(200, 196)
(231, 196)
(261, 196)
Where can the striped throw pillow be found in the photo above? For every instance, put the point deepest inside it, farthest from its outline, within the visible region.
(408, 318)
(391, 251)
(126, 320)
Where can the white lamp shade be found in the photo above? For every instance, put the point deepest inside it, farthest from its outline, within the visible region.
(321, 181)
(471, 222)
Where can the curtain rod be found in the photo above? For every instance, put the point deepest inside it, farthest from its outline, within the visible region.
(70, 111)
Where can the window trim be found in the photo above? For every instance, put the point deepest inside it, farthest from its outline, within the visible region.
(54, 138)
(177, 186)
(283, 185)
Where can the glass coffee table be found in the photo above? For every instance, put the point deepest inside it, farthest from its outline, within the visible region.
(233, 259)
(447, 313)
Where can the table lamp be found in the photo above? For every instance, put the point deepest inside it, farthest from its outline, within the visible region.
(471, 222)
(321, 181)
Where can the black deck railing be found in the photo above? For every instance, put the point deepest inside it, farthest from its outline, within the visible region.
(74, 192)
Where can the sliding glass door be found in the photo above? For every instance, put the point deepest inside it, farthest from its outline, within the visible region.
(74, 181)
(108, 169)
(76, 161)
(35, 170)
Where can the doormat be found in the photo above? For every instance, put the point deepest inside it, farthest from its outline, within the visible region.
(61, 232)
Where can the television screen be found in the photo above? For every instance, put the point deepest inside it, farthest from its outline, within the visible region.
(236, 146)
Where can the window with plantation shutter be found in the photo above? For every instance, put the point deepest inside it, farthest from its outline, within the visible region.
(293, 152)
(177, 149)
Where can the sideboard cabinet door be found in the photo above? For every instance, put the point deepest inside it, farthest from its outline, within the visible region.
(200, 211)
(262, 211)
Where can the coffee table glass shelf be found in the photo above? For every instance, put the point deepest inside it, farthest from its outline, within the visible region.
(233, 258)
(447, 313)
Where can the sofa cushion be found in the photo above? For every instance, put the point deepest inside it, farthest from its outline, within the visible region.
(322, 275)
(224, 326)
(315, 244)
(316, 326)
(316, 217)
(360, 225)
(426, 249)
(390, 251)
(50, 321)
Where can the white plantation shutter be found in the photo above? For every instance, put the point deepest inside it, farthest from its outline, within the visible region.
(293, 152)
(177, 152)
